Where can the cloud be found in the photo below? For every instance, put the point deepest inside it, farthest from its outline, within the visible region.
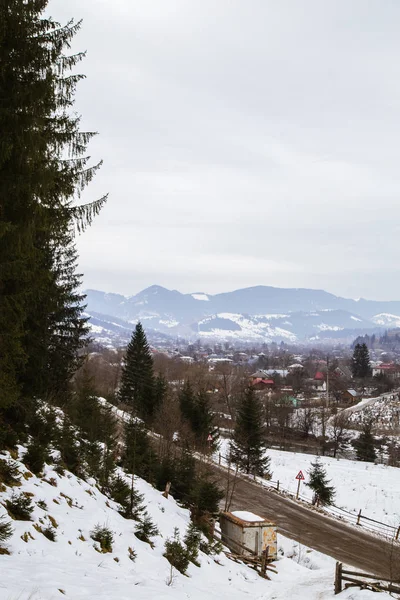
(244, 143)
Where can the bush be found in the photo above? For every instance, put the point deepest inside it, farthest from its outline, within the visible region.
(211, 546)
(104, 536)
(20, 507)
(146, 529)
(35, 457)
(9, 472)
(176, 553)
(50, 533)
(127, 496)
(6, 529)
(192, 541)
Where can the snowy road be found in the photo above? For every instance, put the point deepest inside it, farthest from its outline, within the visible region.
(343, 542)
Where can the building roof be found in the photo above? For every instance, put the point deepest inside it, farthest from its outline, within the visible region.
(265, 381)
(319, 376)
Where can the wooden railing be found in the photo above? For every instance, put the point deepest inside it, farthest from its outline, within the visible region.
(363, 581)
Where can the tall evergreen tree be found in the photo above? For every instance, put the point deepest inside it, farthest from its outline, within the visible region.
(43, 168)
(365, 444)
(248, 444)
(323, 492)
(360, 364)
(137, 381)
(138, 456)
(196, 409)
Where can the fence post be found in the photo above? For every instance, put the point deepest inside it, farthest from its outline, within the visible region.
(359, 517)
(338, 578)
(396, 537)
(277, 486)
(219, 458)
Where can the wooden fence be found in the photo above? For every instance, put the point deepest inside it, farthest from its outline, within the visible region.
(363, 581)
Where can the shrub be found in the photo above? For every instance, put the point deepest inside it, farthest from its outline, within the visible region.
(20, 507)
(6, 529)
(192, 541)
(128, 497)
(104, 536)
(146, 529)
(9, 472)
(50, 533)
(211, 546)
(176, 553)
(35, 457)
(41, 504)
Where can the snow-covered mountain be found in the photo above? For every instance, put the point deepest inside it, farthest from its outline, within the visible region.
(259, 313)
(387, 320)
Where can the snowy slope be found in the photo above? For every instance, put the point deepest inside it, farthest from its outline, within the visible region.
(39, 569)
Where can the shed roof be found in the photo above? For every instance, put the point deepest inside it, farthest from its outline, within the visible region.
(246, 518)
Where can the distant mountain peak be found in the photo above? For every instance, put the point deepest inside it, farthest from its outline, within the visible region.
(262, 313)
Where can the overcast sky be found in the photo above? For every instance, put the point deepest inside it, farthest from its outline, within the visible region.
(245, 142)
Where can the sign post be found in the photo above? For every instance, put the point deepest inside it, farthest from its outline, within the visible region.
(300, 477)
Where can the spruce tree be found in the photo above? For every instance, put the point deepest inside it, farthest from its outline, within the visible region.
(137, 382)
(43, 169)
(138, 456)
(360, 364)
(195, 408)
(248, 447)
(319, 483)
(187, 401)
(365, 444)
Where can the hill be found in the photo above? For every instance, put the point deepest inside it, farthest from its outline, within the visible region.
(256, 314)
(72, 565)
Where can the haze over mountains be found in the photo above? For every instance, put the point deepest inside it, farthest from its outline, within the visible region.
(261, 314)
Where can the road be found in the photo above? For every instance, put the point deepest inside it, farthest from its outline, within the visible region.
(348, 544)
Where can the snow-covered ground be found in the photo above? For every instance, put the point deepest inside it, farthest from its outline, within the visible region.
(375, 489)
(39, 569)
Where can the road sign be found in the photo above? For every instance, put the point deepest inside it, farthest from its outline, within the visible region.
(300, 476)
(210, 439)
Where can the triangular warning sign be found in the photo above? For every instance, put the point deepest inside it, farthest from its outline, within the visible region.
(300, 475)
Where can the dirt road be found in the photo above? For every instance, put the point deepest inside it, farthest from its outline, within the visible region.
(348, 544)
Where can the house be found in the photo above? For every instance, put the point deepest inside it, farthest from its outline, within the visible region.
(390, 370)
(343, 372)
(262, 384)
(350, 395)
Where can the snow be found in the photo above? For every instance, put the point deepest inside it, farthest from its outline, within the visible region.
(247, 516)
(325, 327)
(39, 569)
(386, 319)
(170, 323)
(250, 328)
(202, 297)
(373, 488)
(356, 319)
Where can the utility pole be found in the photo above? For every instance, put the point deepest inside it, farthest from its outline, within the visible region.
(327, 381)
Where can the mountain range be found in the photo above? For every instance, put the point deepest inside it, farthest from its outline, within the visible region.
(258, 314)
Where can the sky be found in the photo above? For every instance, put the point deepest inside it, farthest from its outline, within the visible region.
(244, 143)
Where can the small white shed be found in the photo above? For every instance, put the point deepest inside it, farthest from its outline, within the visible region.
(248, 534)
